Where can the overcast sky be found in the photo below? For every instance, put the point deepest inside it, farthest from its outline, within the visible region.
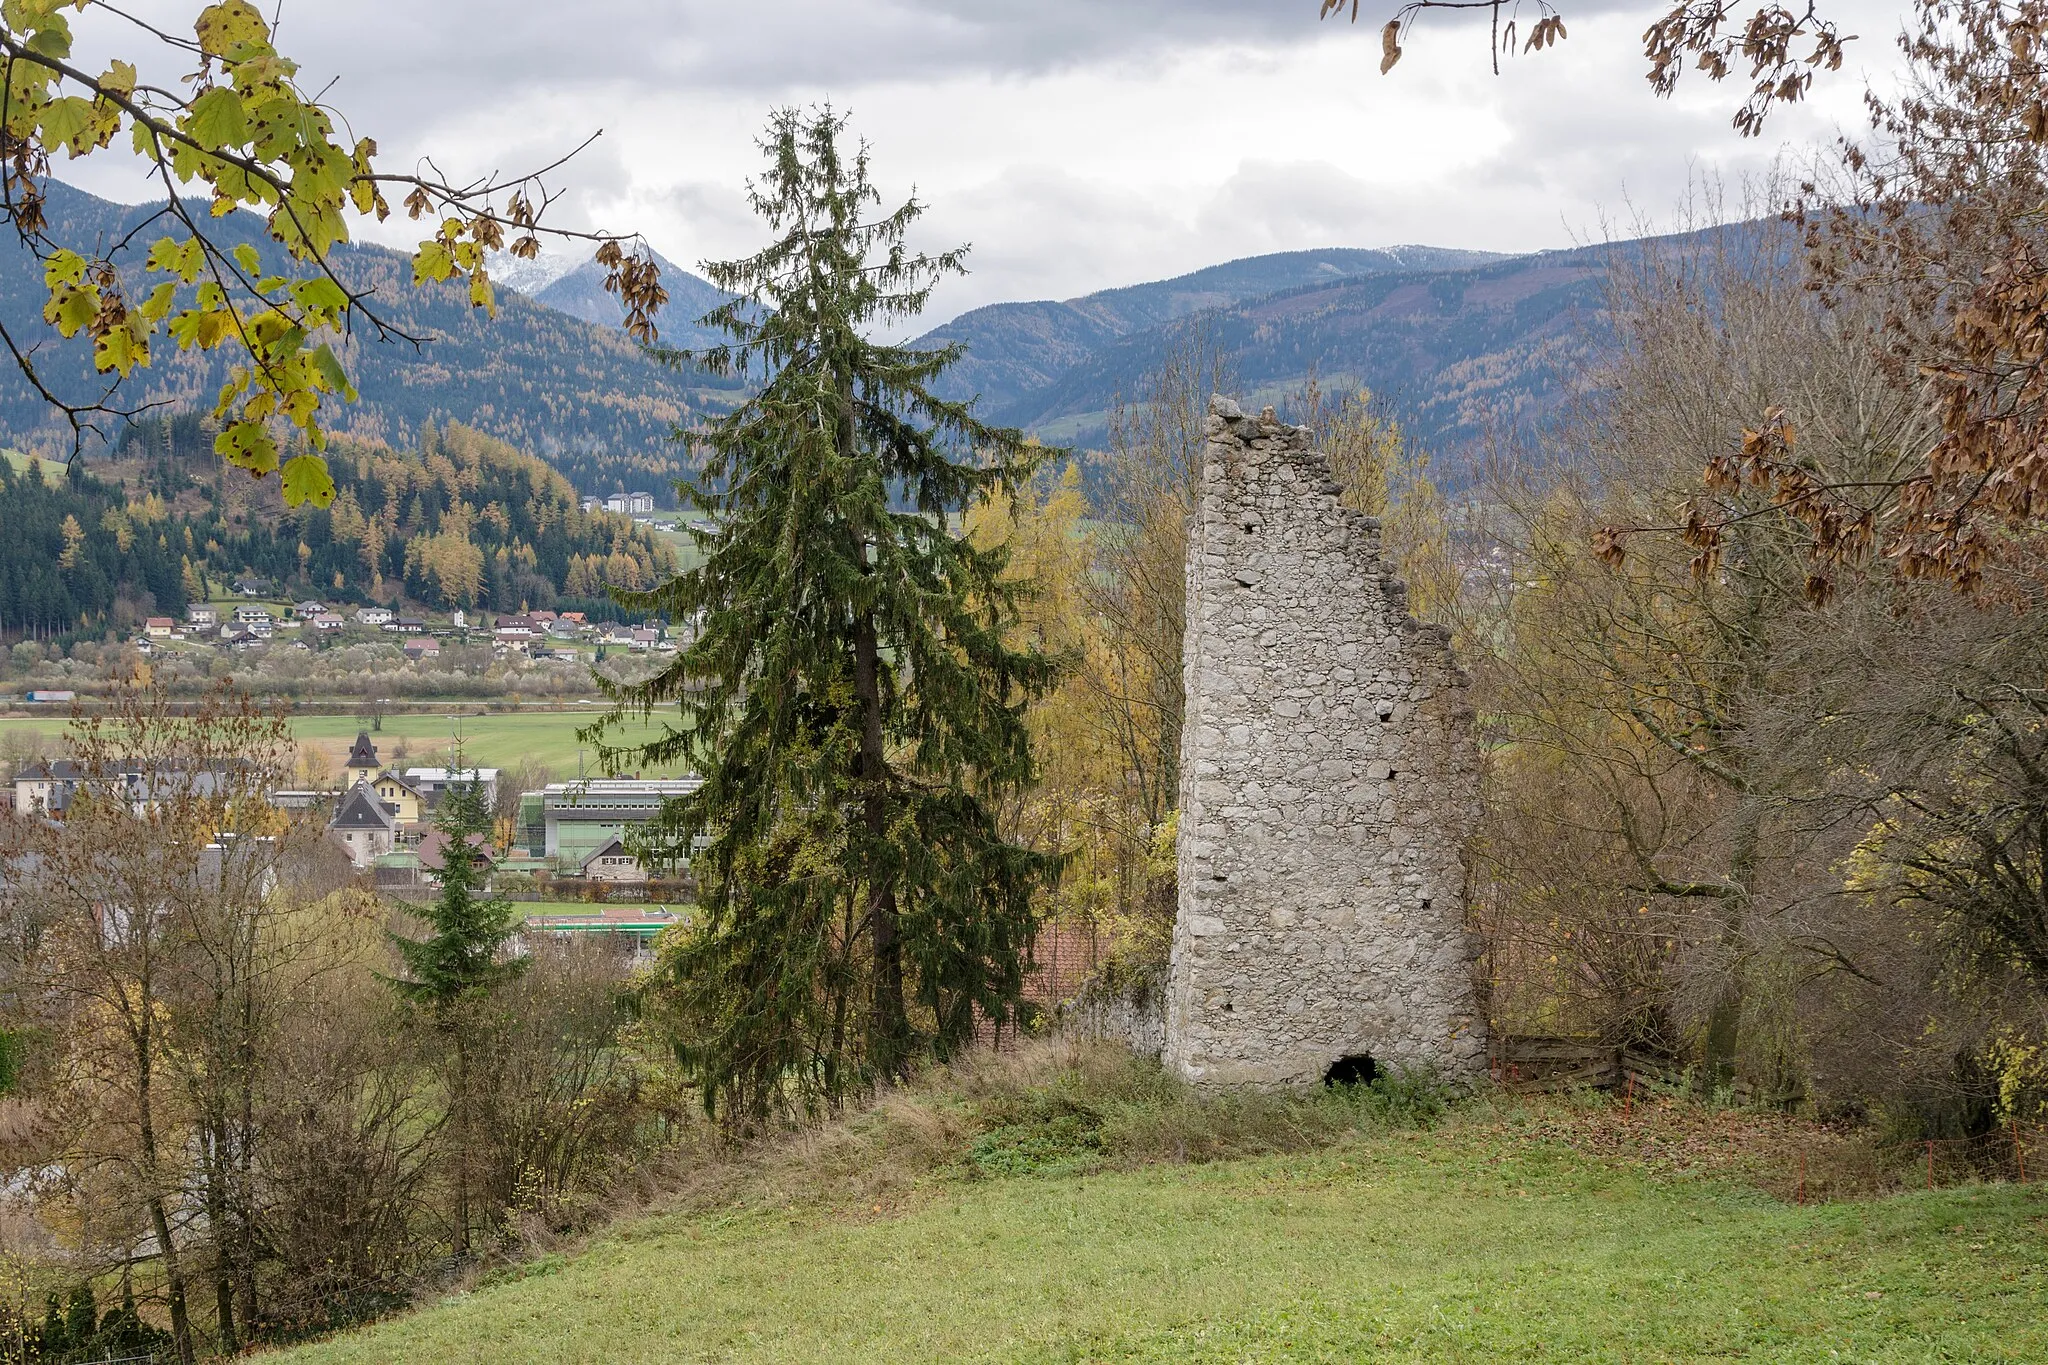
(1077, 144)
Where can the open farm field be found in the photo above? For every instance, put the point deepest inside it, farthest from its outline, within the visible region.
(52, 471)
(688, 556)
(492, 740)
(1545, 1231)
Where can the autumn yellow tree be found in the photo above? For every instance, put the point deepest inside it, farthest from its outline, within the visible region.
(1386, 478)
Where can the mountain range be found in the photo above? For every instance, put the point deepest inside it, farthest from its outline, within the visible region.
(579, 394)
(574, 284)
(1016, 351)
(1457, 343)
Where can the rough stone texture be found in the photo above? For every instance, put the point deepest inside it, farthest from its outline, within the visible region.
(1127, 1012)
(1328, 780)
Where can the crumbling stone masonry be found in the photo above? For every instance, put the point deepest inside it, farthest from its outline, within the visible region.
(1328, 780)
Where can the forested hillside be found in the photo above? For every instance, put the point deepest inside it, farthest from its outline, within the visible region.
(1456, 353)
(459, 520)
(78, 553)
(582, 396)
(1458, 345)
(1014, 350)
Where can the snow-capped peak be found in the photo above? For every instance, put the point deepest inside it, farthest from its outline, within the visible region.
(530, 277)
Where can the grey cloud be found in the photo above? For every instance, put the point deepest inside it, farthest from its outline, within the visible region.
(510, 83)
(420, 53)
(1291, 204)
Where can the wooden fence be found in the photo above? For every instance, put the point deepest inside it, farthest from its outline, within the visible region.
(1533, 1063)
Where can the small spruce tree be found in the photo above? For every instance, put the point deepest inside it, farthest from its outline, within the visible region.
(81, 1320)
(54, 1343)
(852, 696)
(458, 964)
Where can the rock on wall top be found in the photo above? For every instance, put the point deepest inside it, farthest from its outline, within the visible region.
(1328, 782)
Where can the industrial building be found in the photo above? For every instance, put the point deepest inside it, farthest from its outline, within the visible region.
(570, 821)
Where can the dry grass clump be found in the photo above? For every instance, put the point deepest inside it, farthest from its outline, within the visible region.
(1057, 1107)
(1667, 1133)
(1046, 1107)
(1054, 1107)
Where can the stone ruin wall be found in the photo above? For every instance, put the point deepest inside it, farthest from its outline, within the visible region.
(1328, 781)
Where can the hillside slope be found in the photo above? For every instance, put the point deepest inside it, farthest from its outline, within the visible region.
(1460, 343)
(581, 395)
(1455, 352)
(463, 520)
(579, 292)
(1017, 349)
(996, 1224)
(1460, 350)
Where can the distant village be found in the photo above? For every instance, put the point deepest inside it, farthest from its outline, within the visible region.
(253, 623)
(569, 841)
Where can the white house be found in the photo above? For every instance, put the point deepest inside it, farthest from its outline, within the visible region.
(363, 825)
(612, 863)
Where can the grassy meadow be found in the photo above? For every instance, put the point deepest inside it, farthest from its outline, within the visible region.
(53, 471)
(1511, 1230)
(492, 740)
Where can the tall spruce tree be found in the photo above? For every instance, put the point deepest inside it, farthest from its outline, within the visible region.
(457, 964)
(851, 696)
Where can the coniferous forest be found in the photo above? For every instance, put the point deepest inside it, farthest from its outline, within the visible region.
(57, 576)
(460, 520)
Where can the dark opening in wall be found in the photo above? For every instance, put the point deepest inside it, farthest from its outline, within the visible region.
(1358, 1069)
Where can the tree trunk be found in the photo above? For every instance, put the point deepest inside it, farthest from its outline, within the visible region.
(160, 1222)
(242, 1193)
(461, 1099)
(174, 1279)
(220, 1222)
(841, 986)
(224, 1304)
(1724, 1018)
(888, 1026)
(244, 1214)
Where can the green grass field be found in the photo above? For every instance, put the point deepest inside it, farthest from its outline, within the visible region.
(688, 556)
(1492, 1238)
(491, 740)
(1394, 1251)
(53, 470)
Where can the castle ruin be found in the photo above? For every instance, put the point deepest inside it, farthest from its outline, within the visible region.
(1328, 780)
